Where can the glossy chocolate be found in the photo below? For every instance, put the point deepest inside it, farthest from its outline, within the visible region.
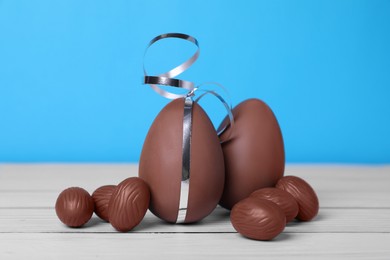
(303, 193)
(281, 198)
(101, 197)
(128, 204)
(254, 157)
(258, 218)
(74, 207)
(161, 163)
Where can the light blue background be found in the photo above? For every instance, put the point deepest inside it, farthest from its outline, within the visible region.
(70, 74)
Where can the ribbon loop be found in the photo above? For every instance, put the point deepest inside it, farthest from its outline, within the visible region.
(167, 78)
(227, 106)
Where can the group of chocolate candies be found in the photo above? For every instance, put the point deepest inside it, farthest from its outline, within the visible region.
(265, 213)
(261, 216)
(124, 205)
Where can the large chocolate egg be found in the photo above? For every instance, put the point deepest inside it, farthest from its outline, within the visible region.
(161, 165)
(254, 155)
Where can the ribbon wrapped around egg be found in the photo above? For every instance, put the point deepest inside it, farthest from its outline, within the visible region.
(182, 158)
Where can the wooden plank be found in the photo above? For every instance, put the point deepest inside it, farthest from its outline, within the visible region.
(39, 185)
(329, 220)
(193, 246)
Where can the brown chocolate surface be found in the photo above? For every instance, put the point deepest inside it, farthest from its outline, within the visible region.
(128, 204)
(258, 218)
(281, 198)
(101, 197)
(161, 163)
(303, 193)
(254, 157)
(74, 207)
(207, 167)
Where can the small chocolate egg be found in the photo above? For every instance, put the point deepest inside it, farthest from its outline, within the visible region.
(74, 207)
(128, 204)
(254, 155)
(258, 218)
(303, 193)
(281, 198)
(161, 165)
(101, 197)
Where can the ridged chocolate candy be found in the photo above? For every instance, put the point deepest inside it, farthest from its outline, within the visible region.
(254, 157)
(281, 198)
(101, 197)
(128, 204)
(161, 164)
(74, 207)
(258, 218)
(304, 195)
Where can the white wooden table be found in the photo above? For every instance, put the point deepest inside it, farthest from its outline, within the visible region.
(353, 222)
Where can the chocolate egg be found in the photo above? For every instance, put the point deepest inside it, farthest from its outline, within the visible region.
(281, 198)
(128, 204)
(303, 193)
(161, 165)
(74, 207)
(254, 155)
(101, 197)
(258, 219)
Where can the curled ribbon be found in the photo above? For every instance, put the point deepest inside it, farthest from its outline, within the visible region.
(168, 79)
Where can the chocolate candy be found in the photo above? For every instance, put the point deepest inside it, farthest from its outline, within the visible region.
(74, 207)
(128, 204)
(280, 197)
(258, 218)
(101, 197)
(254, 157)
(161, 165)
(304, 195)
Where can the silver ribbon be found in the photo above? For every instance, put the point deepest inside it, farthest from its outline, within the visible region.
(185, 177)
(167, 79)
